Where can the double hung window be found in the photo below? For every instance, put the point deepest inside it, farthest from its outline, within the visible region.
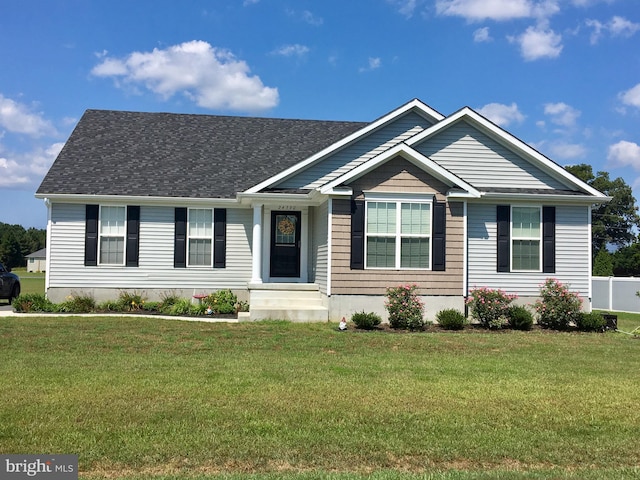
(112, 233)
(526, 238)
(200, 236)
(398, 234)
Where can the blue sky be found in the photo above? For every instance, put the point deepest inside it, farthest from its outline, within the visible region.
(562, 75)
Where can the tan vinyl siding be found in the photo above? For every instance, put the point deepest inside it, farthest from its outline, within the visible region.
(355, 154)
(483, 162)
(397, 175)
(155, 254)
(572, 252)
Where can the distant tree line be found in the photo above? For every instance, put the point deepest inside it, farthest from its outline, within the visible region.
(614, 225)
(16, 243)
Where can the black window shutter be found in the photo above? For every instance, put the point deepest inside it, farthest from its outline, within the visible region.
(133, 235)
(180, 238)
(219, 237)
(439, 233)
(91, 235)
(357, 234)
(504, 240)
(549, 239)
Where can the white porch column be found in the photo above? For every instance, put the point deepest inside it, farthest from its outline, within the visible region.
(256, 261)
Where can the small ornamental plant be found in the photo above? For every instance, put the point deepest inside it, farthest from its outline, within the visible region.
(490, 306)
(557, 307)
(366, 320)
(405, 307)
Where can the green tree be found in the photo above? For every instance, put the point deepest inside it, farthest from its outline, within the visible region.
(10, 252)
(614, 223)
(626, 261)
(603, 264)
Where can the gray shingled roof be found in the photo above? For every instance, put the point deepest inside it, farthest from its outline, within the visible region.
(178, 155)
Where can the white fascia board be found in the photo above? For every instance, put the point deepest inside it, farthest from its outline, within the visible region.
(509, 141)
(84, 199)
(541, 197)
(311, 198)
(414, 104)
(412, 156)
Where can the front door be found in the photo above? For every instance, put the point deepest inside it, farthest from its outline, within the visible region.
(285, 244)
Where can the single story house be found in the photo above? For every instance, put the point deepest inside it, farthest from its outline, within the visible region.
(311, 220)
(37, 261)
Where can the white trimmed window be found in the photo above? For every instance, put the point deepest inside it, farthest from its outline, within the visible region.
(398, 234)
(199, 237)
(112, 235)
(526, 238)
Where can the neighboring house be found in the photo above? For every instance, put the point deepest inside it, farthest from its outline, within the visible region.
(311, 220)
(37, 261)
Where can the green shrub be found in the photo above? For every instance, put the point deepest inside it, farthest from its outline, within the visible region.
(131, 301)
(490, 307)
(77, 303)
(591, 322)
(557, 307)
(181, 307)
(405, 308)
(33, 303)
(222, 301)
(109, 306)
(366, 321)
(451, 319)
(151, 306)
(520, 318)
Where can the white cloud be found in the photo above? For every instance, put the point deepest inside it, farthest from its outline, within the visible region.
(501, 114)
(616, 27)
(621, 27)
(312, 19)
(623, 154)
(567, 151)
(18, 118)
(631, 97)
(498, 10)
(405, 7)
(562, 114)
(482, 35)
(539, 42)
(295, 50)
(212, 78)
(374, 64)
(27, 169)
(12, 173)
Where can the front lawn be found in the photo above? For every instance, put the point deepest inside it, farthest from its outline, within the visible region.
(148, 398)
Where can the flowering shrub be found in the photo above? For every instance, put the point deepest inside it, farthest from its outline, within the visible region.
(490, 307)
(405, 308)
(557, 307)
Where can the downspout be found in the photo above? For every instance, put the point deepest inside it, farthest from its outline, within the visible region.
(47, 203)
(329, 243)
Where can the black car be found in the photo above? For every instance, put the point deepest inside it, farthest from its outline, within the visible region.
(9, 284)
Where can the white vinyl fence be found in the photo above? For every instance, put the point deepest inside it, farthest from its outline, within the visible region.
(615, 294)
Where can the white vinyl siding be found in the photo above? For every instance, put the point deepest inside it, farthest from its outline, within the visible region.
(112, 230)
(573, 255)
(484, 163)
(319, 251)
(155, 271)
(357, 153)
(526, 238)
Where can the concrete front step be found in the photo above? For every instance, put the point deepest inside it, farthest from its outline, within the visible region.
(308, 314)
(296, 302)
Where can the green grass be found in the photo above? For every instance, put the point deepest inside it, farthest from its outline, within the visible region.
(143, 398)
(30, 282)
